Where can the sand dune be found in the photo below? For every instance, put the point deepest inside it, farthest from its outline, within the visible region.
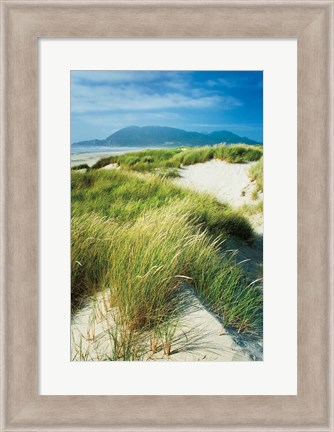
(199, 335)
(227, 182)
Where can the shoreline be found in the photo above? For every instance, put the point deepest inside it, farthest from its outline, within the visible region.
(90, 157)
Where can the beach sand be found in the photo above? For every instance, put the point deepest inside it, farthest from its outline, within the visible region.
(225, 181)
(89, 158)
(199, 336)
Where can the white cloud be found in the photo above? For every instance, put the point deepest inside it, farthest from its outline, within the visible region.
(135, 98)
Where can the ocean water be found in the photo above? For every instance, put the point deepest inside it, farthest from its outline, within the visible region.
(102, 149)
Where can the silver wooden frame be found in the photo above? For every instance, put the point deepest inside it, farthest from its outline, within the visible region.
(22, 23)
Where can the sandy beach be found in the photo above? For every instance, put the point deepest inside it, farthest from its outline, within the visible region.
(89, 158)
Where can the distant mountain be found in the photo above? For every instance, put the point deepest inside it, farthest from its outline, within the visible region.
(157, 136)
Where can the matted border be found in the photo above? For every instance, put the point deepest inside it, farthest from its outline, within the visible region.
(23, 22)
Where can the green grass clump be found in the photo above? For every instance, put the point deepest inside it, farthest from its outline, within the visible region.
(251, 209)
(167, 173)
(146, 264)
(225, 288)
(144, 160)
(125, 196)
(217, 218)
(238, 153)
(152, 160)
(120, 195)
(81, 166)
(90, 244)
(195, 155)
(256, 174)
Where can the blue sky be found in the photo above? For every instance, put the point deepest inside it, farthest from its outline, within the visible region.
(103, 102)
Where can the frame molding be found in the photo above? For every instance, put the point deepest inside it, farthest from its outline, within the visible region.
(22, 23)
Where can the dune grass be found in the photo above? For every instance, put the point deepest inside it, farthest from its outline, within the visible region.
(142, 238)
(145, 264)
(80, 167)
(159, 159)
(251, 209)
(144, 160)
(124, 197)
(256, 174)
(167, 173)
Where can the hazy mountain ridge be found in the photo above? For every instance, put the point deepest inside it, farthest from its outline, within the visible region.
(135, 136)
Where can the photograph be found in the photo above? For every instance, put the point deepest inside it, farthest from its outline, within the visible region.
(167, 215)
